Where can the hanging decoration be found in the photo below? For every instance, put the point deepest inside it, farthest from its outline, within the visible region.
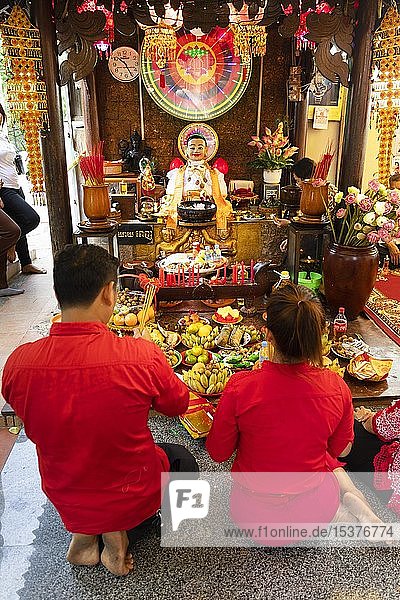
(25, 89)
(248, 40)
(104, 45)
(159, 44)
(386, 87)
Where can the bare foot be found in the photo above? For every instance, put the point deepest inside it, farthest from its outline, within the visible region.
(11, 254)
(360, 509)
(115, 557)
(83, 550)
(32, 270)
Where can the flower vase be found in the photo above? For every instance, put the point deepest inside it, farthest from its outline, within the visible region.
(272, 176)
(96, 204)
(313, 201)
(349, 276)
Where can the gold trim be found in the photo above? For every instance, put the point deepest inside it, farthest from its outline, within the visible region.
(202, 128)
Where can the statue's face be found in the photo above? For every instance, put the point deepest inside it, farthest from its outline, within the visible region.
(196, 149)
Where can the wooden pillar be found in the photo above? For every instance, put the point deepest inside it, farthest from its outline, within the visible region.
(90, 111)
(53, 145)
(358, 107)
(301, 124)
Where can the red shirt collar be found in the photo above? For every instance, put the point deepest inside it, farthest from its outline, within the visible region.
(78, 328)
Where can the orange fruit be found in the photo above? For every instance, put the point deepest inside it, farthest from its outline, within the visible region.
(119, 320)
(131, 320)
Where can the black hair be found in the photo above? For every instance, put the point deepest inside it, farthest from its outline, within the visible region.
(3, 114)
(80, 272)
(196, 136)
(304, 168)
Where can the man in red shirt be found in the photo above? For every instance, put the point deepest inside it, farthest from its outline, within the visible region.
(84, 395)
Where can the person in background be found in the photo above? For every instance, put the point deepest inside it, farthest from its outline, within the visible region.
(291, 416)
(376, 450)
(84, 395)
(14, 202)
(9, 235)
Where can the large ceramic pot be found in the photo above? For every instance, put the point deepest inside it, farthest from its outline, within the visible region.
(272, 176)
(313, 200)
(96, 202)
(349, 276)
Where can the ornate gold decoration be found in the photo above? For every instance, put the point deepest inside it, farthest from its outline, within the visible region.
(182, 239)
(26, 92)
(249, 39)
(386, 86)
(159, 44)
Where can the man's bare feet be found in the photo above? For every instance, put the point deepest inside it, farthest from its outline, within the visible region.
(11, 254)
(83, 550)
(115, 556)
(32, 270)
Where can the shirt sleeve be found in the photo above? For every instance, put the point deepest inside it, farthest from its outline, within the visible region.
(171, 396)
(223, 438)
(344, 432)
(386, 422)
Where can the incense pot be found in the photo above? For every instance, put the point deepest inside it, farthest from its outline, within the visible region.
(96, 202)
(313, 201)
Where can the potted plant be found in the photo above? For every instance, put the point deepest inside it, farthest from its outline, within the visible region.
(274, 153)
(358, 221)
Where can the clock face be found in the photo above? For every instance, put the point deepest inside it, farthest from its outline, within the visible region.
(124, 63)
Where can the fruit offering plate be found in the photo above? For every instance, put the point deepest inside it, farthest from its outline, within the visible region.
(200, 335)
(163, 338)
(348, 347)
(207, 380)
(333, 365)
(227, 316)
(242, 359)
(173, 357)
(188, 320)
(233, 337)
(205, 356)
(182, 260)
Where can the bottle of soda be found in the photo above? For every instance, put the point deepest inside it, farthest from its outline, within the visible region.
(339, 324)
(283, 280)
(385, 266)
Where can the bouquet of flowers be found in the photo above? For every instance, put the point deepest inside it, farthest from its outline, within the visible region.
(364, 219)
(274, 150)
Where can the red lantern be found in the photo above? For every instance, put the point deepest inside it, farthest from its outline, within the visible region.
(221, 165)
(175, 164)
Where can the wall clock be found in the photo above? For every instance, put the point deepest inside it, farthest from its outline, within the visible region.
(124, 63)
(204, 81)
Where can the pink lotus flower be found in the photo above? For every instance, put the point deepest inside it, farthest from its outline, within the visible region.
(366, 204)
(388, 208)
(374, 185)
(340, 213)
(350, 198)
(389, 225)
(373, 237)
(394, 197)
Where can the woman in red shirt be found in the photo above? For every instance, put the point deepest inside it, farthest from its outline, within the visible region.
(290, 417)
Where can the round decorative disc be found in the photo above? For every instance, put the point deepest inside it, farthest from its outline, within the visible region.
(205, 130)
(204, 81)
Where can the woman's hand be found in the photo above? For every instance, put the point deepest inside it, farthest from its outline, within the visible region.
(394, 252)
(364, 416)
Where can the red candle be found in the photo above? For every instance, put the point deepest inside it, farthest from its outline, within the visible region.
(224, 274)
(235, 274)
(162, 279)
(179, 274)
(242, 279)
(252, 271)
(183, 276)
(198, 274)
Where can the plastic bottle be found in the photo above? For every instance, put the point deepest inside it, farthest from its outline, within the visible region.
(339, 324)
(217, 252)
(283, 280)
(264, 354)
(208, 254)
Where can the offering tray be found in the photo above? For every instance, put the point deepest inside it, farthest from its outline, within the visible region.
(184, 262)
(347, 347)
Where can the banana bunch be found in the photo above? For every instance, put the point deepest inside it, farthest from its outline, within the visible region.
(206, 341)
(207, 379)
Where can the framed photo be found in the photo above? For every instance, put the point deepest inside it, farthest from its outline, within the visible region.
(327, 94)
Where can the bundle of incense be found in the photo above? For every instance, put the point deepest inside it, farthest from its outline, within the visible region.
(151, 290)
(324, 163)
(92, 166)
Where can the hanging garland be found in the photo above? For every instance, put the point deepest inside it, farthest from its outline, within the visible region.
(26, 92)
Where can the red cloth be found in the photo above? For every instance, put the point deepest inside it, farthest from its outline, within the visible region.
(84, 396)
(284, 418)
